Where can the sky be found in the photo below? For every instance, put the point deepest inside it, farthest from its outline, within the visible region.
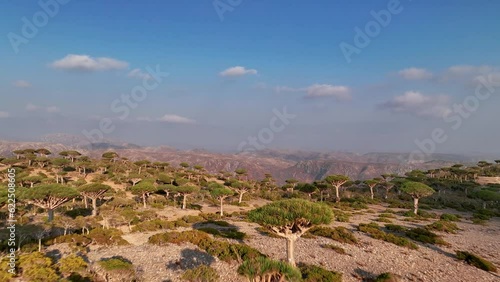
(241, 75)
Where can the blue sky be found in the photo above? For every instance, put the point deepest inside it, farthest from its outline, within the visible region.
(227, 73)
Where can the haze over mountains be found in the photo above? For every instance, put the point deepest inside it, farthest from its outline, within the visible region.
(282, 164)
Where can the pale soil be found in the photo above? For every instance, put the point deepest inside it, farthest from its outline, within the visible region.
(367, 259)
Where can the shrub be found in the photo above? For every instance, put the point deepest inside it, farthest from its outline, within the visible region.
(37, 267)
(269, 270)
(192, 236)
(425, 236)
(226, 233)
(341, 216)
(374, 231)
(383, 219)
(337, 249)
(72, 263)
(476, 261)
(388, 277)
(107, 237)
(223, 250)
(443, 226)
(116, 263)
(312, 273)
(152, 225)
(340, 234)
(395, 228)
(387, 215)
(117, 269)
(192, 218)
(218, 223)
(202, 273)
(449, 217)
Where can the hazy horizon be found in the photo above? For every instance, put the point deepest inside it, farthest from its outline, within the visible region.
(368, 76)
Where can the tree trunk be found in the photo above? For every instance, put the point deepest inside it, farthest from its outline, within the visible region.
(241, 197)
(40, 245)
(337, 195)
(51, 215)
(184, 201)
(221, 212)
(371, 192)
(144, 200)
(94, 207)
(290, 247)
(415, 205)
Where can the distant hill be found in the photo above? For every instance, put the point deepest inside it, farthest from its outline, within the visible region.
(282, 164)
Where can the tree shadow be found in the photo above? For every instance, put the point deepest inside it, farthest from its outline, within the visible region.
(365, 276)
(221, 229)
(191, 258)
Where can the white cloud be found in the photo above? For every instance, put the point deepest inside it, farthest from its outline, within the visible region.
(280, 89)
(415, 103)
(237, 71)
(138, 73)
(469, 70)
(21, 84)
(4, 114)
(31, 107)
(415, 74)
(87, 63)
(176, 119)
(339, 92)
(50, 109)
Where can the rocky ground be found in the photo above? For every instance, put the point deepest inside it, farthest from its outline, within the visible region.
(367, 259)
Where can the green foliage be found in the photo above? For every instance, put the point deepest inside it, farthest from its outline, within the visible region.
(107, 237)
(337, 249)
(312, 273)
(269, 270)
(43, 192)
(72, 263)
(450, 217)
(443, 226)
(287, 212)
(37, 267)
(383, 219)
(225, 251)
(143, 187)
(339, 234)
(202, 273)
(115, 263)
(375, 232)
(476, 261)
(416, 189)
(225, 233)
(94, 188)
(387, 277)
(425, 236)
(395, 228)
